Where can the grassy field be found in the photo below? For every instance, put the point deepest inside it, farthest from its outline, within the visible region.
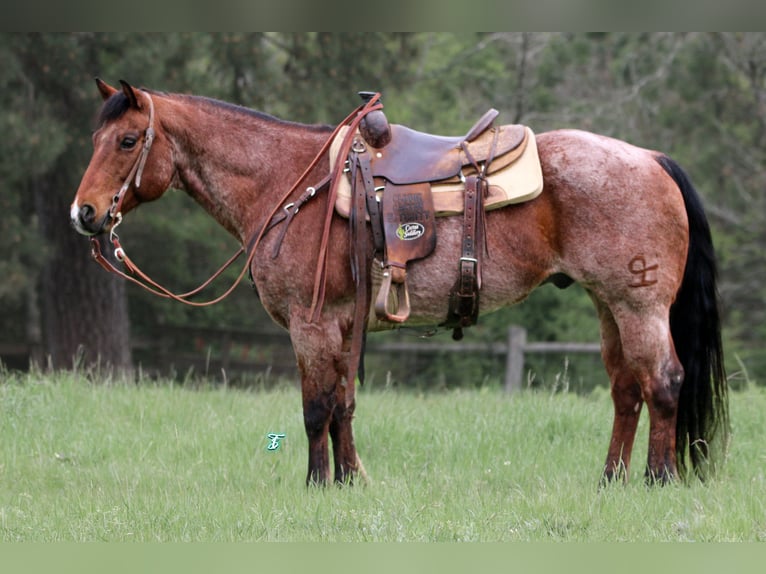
(157, 462)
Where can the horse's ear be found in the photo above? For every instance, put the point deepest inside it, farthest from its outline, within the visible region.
(106, 90)
(130, 93)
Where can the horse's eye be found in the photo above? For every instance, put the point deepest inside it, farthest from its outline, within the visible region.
(128, 142)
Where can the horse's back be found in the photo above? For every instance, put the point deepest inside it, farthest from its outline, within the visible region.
(576, 153)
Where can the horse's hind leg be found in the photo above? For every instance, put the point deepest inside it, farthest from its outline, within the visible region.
(649, 353)
(626, 397)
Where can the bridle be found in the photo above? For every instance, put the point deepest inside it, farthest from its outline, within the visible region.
(137, 170)
(282, 212)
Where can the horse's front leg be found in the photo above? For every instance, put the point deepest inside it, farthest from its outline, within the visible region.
(321, 359)
(316, 348)
(343, 450)
(347, 462)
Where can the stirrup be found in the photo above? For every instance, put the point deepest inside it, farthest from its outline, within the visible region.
(402, 311)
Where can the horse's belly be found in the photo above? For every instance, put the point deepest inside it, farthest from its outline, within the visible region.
(429, 283)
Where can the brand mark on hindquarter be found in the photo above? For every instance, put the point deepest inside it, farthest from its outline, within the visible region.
(644, 274)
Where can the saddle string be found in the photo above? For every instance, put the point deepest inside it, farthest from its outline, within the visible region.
(363, 202)
(274, 218)
(320, 276)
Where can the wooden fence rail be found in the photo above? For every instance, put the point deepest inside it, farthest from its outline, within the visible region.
(235, 351)
(514, 349)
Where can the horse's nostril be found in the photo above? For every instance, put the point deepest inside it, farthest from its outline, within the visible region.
(87, 213)
(84, 219)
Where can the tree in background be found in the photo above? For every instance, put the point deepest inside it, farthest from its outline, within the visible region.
(71, 311)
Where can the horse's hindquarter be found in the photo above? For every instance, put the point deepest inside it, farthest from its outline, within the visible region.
(622, 229)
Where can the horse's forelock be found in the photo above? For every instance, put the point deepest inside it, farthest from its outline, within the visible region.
(113, 108)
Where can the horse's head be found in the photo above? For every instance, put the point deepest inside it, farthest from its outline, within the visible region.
(131, 162)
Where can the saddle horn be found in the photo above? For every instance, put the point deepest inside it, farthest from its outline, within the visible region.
(374, 126)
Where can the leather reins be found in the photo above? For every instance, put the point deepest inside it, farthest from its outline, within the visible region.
(274, 218)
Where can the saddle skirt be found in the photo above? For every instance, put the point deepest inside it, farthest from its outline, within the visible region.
(515, 176)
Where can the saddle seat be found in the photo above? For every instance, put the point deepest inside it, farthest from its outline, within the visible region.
(416, 157)
(411, 157)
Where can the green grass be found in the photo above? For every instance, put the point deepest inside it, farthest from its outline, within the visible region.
(98, 462)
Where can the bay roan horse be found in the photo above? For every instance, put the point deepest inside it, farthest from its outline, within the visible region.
(623, 222)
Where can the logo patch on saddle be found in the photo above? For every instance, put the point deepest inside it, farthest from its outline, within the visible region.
(410, 231)
(408, 222)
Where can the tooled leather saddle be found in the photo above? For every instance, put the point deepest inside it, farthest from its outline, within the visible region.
(400, 180)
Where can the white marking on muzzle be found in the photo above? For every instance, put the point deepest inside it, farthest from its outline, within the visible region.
(74, 216)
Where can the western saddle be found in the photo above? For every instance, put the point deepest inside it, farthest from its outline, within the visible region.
(391, 170)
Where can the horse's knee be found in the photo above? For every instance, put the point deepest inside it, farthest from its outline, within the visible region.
(317, 413)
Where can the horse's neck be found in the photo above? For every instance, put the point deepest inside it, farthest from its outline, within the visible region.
(238, 165)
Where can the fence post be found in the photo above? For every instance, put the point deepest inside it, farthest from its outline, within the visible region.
(514, 358)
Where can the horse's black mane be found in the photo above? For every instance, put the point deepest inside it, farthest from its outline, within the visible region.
(118, 104)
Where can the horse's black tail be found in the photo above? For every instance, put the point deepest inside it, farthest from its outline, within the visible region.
(702, 430)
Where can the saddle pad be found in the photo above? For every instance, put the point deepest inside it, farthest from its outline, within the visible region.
(520, 181)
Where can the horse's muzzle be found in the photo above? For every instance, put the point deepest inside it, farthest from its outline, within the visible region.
(83, 219)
